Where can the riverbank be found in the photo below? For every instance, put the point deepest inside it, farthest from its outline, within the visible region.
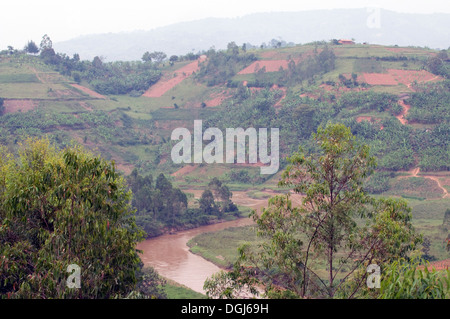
(246, 201)
(220, 247)
(242, 213)
(170, 256)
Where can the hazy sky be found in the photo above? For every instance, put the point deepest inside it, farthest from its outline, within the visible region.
(24, 20)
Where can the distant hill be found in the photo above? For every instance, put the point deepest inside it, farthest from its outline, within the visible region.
(383, 27)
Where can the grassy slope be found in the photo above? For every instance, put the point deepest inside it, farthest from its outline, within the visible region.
(28, 78)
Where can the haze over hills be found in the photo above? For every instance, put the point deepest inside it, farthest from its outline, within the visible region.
(364, 25)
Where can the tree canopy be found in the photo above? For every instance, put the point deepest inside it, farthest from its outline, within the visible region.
(338, 227)
(60, 208)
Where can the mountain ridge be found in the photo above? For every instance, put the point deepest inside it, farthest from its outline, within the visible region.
(378, 27)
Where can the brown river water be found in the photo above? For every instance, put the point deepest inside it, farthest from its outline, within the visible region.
(170, 256)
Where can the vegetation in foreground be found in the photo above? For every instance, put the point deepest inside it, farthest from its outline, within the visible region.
(322, 249)
(67, 210)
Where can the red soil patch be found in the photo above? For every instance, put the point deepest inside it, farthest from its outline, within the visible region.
(125, 168)
(13, 106)
(379, 79)
(164, 85)
(438, 265)
(407, 77)
(217, 99)
(184, 170)
(395, 77)
(89, 91)
(274, 65)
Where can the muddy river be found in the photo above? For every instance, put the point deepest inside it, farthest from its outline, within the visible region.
(171, 258)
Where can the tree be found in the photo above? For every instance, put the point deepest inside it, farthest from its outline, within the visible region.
(437, 66)
(207, 204)
(222, 194)
(156, 56)
(173, 58)
(146, 57)
(46, 43)
(163, 184)
(232, 48)
(152, 285)
(337, 225)
(443, 55)
(60, 208)
(11, 50)
(31, 47)
(49, 56)
(97, 62)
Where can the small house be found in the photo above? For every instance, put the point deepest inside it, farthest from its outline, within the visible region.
(343, 41)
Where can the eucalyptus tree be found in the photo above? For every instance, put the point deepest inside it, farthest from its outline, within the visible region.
(321, 248)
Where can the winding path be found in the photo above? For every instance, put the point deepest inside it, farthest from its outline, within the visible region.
(415, 172)
(402, 116)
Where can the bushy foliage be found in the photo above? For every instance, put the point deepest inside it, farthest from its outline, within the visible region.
(222, 65)
(430, 104)
(106, 78)
(59, 208)
(160, 206)
(158, 203)
(411, 279)
(337, 224)
(115, 78)
(378, 182)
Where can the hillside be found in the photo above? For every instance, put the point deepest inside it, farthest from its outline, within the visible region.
(387, 28)
(396, 99)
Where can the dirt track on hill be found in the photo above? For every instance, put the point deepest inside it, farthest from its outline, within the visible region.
(173, 79)
(415, 173)
(402, 116)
